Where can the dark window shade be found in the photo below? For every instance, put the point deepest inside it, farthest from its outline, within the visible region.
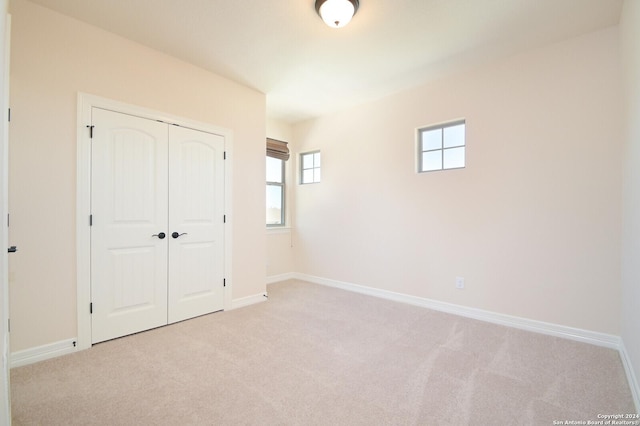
(277, 149)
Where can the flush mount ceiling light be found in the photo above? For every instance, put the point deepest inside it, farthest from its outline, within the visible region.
(337, 13)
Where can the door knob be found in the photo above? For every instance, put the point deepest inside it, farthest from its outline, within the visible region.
(160, 235)
(176, 235)
(12, 249)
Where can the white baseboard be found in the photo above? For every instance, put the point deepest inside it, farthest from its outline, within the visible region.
(281, 277)
(631, 376)
(586, 336)
(249, 300)
(41, 353)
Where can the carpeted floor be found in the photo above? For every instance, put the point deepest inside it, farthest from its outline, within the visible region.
(314, 355)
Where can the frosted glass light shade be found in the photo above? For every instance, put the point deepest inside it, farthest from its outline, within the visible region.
(336, 13)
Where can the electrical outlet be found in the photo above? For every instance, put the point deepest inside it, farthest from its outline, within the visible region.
(460, 283)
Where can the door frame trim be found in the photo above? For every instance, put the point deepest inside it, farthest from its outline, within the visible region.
(5, 350)
(83, 198)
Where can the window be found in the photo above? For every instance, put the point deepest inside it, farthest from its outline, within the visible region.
(310, 167)
(275, 192)
(277, 154)
(441, 147)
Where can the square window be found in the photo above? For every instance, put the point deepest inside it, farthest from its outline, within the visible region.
(442, 147)
(310, 167)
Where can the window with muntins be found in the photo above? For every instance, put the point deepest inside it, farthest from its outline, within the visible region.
(442, 147)
(310, 167)
(277, 155)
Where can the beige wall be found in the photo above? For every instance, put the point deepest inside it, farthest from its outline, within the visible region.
(532, 223)
(279, 130)
(630, 42)
(279, 241)
(55, 57)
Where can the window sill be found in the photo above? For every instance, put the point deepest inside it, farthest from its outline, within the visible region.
(279, 230)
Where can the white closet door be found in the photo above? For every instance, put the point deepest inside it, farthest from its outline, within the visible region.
(129, 208)
(196, 223)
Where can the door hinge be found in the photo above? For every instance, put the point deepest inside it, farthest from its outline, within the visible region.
(90, 308)
(7, 220)
(8, 325)
(90, 131)
(90, 220)
(224, 218)
(9, 116)
(224, 282)
(224, 156)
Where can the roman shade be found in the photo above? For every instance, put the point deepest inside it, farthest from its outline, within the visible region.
(277, 149)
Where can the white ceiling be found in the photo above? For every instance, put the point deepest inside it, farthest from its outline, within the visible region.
(306, 69)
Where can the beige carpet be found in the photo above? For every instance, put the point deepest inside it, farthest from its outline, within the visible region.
(313, 355)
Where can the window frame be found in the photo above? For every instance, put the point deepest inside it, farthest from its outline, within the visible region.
(441, 126)
(302, 169)
(282, 185)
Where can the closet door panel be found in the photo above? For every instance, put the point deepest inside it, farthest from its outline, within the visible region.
(129, 214)
(196, 223)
